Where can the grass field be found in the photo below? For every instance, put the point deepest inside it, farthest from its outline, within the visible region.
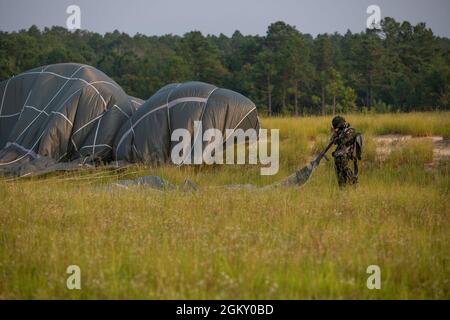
(307, 243)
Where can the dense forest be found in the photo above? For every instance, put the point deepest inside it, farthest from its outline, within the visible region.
(401, 67)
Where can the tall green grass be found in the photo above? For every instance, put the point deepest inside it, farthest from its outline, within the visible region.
(411, 153)
(308, 243)
(415, 124)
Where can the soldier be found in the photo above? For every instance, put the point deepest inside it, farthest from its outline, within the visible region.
(344, 138)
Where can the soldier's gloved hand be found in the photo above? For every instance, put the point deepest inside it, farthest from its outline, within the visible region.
(333, 136)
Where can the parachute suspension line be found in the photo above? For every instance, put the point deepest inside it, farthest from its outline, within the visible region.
(39, 138)
(37, 110)
(125, 114)
(25, 104)
(63, 77)
(28, 152)
(18, 113)
(88, 123)
(132, 125)
(63, 116)
(89, 84)
(60, 158)
(4, 94)
(95, 137)
(51, 100)
(201, 119)
(97, 145)
(136, 102)
(167, 105)
(73, 142)
(175, 102)
(10, 115)
(246, 115)
(132, 141)
(168, 114)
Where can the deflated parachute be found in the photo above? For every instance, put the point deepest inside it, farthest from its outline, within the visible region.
(63, 112)
(146, 137)
(70, 113)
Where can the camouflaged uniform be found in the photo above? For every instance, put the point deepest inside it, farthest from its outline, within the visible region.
(345, 140)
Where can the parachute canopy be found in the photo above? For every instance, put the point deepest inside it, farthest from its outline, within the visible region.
(72, 113)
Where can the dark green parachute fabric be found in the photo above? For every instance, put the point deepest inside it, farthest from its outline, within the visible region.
(146, 137)
(62, 112)
(59, 116)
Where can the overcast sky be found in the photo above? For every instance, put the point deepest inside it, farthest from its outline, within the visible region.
(156, 17)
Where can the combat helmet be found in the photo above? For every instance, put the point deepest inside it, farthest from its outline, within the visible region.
(338, 122)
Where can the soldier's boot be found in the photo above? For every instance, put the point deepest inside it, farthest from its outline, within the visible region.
(352, 178)
(341, 172)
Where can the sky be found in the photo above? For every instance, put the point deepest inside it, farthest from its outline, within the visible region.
(157, 17)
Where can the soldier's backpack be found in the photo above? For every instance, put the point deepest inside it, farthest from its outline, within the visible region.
(359, 144)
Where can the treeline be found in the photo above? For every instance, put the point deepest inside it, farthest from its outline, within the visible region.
(398, 68)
